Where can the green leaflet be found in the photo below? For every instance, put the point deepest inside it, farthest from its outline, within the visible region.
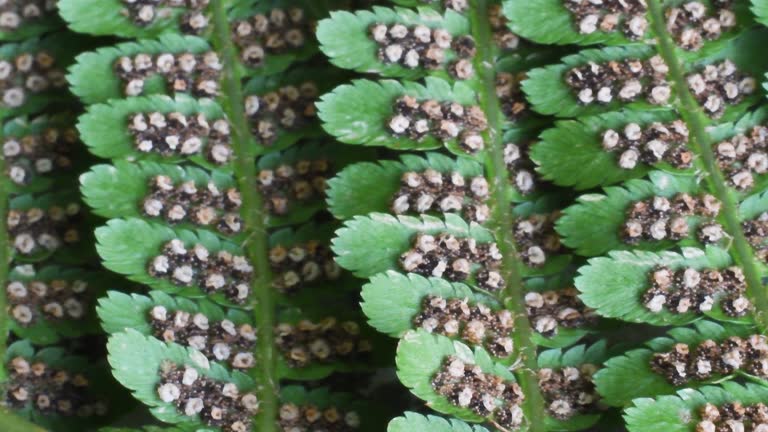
(726, 131)
(368, 187)
(634, 366)
(118, 190)
(575, 356)
(753, 206)
(119, 312)
(371, 244)
(358, 113)
(411, 421)
(322, 398)
(391, 300)
(46, 23)
(323, 79)
(760, 9)
(107, 17)
(93, 79)
(420, 356)
(588, 165)
(100, 386)
(104, 127)
(346, 40)
(46, 331)
(379, 357)
(614, 285)
(110, 17)
(549, 22)
(136, 362)
(127, 245)
(77, 251)
(592, 226)
(679, 413)
(62, 47)
(549, 94)
(20, 127)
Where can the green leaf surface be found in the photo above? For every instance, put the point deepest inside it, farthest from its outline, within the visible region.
(118, 190)
(368, 187)
(575, 356)
(136, 363)
(62, 47)
(587, 165)
(345, 37)
(593, 225)
(679, 413)
(416, 422)
(634, 366)
(391, 300)
(46, 331)
(614, 285)
(119, 311)
(549, 94)
(23, 127)
(372, 244)
(549, 22)
(126, 246)
(358, 113)
(104, 127)
(420, 356)
(93, 78)
(110, 17)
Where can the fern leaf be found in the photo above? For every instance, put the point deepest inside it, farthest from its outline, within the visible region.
(614, 285)
(56, 52)
(420, 357)
(119, 190)
(92, 395)
(345, 38)
(369, 187)
(105, 127)
(593, 225)
(579, 357)
(391, 300)
(549, 93)
(358, 113)
(413, 421)
(137, 362)
(128, 246)
(550, 22)
(53, 160)
(680, 412)
(77, 291)
(112, 17)
(635, 365)
(588, 164)
(354, 243)
(93, 77)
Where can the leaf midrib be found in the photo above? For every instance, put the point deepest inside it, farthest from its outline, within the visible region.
(256, 242)
(502, 218)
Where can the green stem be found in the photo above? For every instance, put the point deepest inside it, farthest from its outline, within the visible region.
(5, 259)
(702, 143)
(254, 220)
(502, 218)
(10, 422)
